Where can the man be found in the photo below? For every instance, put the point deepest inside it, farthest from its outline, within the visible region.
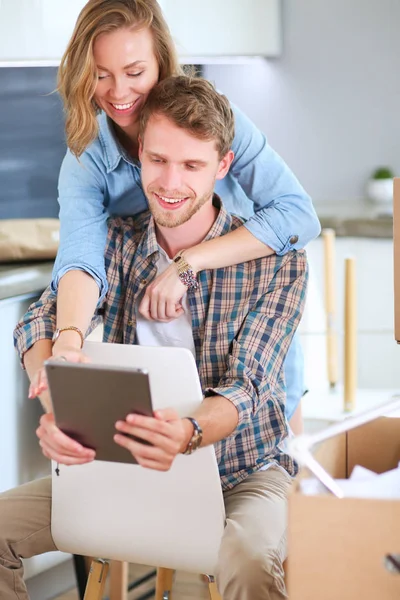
(237, 321)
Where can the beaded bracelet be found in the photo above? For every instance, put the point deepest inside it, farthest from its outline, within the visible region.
(185, 272)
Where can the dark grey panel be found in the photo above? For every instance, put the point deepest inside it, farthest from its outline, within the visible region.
(32, 142)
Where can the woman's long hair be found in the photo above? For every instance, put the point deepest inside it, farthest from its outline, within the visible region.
(77, 74)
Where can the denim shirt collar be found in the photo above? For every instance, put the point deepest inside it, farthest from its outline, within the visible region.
(113, 150)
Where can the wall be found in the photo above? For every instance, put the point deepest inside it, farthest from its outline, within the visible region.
(329, 104)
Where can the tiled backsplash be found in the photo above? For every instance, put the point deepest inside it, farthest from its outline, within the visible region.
(32, 142)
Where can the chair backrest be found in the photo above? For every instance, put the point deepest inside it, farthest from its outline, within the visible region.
(124, 512)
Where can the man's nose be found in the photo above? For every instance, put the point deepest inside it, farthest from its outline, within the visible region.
(170, 178)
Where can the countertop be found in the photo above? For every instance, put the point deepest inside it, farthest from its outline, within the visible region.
(355, 220)
(18, 279)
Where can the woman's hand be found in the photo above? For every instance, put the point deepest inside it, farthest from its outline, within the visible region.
(162, 300)
(58, 446)
(39, 384)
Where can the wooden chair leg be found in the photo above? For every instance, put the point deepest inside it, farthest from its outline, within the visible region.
(96, 580)
(212, 588)
(164, 582)
(118, 580)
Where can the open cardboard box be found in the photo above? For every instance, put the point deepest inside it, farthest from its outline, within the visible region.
(337, 546)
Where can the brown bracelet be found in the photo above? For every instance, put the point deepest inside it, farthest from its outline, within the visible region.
(70, 328)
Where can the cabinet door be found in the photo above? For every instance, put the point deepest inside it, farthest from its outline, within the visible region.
(222, 28)
(36, 30)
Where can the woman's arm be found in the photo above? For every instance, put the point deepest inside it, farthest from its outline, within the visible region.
(284, 217)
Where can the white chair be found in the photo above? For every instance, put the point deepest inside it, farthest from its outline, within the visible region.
(124, 512)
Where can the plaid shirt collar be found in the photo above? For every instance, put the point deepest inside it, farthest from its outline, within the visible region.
(148, 244)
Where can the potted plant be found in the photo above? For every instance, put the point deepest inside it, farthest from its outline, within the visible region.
(380, 188)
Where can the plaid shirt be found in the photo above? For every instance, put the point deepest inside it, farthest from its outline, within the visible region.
(243, 320)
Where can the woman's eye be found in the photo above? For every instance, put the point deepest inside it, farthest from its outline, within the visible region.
(134, 74)
(100, 77)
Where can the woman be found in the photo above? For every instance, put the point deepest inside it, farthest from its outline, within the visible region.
(118, 51)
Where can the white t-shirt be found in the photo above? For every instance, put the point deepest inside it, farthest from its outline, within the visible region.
(175, 333)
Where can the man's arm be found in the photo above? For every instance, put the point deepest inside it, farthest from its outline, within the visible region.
(258, 352)
(253, 368)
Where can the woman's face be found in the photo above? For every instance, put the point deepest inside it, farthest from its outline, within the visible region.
(127, 69)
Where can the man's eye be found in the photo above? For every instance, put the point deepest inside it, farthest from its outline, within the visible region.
(156, 160)
(135, 74)
(191, 167)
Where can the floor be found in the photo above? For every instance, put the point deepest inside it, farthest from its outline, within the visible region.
(187, 586)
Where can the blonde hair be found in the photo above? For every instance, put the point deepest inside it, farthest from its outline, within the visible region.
(193, 104)
(77, 75)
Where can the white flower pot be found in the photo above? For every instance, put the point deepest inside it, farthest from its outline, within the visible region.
(380, 191)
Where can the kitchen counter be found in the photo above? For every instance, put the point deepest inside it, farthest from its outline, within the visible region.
(355, 219)
(378, 227)
(18, 279)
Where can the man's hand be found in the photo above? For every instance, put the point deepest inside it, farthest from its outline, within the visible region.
(162, 299)
(58, 446)
(166, 431)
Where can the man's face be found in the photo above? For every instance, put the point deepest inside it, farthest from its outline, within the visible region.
(178, 171)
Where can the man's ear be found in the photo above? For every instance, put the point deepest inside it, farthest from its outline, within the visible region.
(140, 150)
(225, 164)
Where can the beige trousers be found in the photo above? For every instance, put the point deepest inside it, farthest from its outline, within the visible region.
(252, 551)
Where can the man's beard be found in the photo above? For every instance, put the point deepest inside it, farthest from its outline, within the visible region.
(175, 218)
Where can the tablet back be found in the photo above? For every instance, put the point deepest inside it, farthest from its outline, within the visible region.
(88, 399)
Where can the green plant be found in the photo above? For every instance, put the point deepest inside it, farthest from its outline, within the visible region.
(383, 173)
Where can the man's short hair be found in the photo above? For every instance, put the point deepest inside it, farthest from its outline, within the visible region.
(193, 104)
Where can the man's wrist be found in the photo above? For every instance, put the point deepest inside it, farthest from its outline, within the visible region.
(189, 431)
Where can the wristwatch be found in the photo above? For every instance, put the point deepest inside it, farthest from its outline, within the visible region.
(57, 332)
(196, 438)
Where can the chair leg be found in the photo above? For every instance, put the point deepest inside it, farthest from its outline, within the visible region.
(212, 588)
(96, 580)
(164, 582)
(118, 580)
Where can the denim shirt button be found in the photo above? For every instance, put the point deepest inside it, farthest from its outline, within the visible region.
(294, 239)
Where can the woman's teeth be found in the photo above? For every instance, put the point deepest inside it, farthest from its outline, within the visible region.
(123, 106)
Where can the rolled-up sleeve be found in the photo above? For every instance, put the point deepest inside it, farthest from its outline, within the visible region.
(255, 362)
(83, 221)
(38, 323)
(284, 218)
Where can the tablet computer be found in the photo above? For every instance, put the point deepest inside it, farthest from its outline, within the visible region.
(88, 399)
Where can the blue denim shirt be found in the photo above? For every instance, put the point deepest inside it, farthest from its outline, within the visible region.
(106, 181)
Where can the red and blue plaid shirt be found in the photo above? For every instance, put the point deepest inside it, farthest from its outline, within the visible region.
(243, 320)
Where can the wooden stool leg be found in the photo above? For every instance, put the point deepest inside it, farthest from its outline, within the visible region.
(96, 580)
(118, 580)
(212, 588)
(164, 582)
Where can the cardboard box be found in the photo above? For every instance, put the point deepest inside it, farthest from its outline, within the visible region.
(396, 243)
(337, 546)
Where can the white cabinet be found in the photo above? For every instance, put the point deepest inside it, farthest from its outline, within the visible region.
(36, 30)
(378, 353)
(39, 30)
(224, 28)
